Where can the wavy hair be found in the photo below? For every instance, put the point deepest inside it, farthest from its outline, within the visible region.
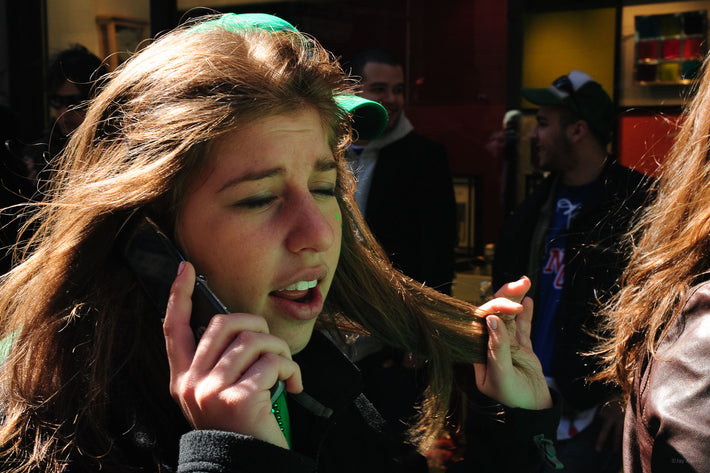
(671, 249)
(84, 336)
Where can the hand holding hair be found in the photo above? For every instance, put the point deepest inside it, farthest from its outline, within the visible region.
(223, 382)
(515, 290)
(512, 374)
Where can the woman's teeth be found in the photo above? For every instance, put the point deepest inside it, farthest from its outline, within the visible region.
(301, 286)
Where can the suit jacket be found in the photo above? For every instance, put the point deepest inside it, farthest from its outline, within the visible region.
(412, 211)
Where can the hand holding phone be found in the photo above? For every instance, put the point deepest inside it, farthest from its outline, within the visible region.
(154, 260)
(222, 383)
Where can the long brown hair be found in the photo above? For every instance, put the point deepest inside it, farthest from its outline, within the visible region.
(670, 248)
(81, 331)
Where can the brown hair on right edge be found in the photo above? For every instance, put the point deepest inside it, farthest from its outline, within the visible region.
(671, 249)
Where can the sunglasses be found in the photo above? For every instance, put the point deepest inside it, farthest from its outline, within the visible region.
(59, 101)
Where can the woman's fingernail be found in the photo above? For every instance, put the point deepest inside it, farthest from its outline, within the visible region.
(492, 323)
(181, 266)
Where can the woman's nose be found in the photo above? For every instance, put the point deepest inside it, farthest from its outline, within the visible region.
(311, 229)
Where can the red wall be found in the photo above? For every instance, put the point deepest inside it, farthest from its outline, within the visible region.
(646, 138)
(458, 69)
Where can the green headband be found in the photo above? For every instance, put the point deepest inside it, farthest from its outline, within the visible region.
(239, 23)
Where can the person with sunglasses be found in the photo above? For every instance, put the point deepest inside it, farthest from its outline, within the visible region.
(72, 79)
(74, 75)
(566, 236)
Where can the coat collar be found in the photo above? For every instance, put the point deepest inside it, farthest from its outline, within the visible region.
(328, 376)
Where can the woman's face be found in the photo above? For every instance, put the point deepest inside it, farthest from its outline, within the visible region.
(262, 224)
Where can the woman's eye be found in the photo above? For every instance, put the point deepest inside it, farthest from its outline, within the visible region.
(325, 191)
(255, 202)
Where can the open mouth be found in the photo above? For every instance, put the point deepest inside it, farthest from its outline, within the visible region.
(301, 292)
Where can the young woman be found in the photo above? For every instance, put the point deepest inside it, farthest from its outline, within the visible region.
(230, 133)
(660, 320)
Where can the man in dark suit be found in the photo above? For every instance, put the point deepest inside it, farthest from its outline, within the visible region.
(405, 193)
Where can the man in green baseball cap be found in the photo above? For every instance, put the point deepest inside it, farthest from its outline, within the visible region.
(405, 192)
(568, 238)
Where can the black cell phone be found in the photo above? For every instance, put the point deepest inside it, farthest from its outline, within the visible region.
(154, 260)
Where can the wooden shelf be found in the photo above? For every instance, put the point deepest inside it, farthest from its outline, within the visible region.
(120, 37)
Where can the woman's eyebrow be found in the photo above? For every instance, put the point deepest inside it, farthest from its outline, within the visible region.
(253, 176)
(322, 165)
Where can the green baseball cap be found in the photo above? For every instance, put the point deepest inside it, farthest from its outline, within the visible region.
(369, 118)
(581, 94)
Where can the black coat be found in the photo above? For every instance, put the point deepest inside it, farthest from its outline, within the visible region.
(595, 256)
(411, 209)
(354, 437)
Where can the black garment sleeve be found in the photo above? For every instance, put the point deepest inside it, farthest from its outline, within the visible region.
(212, 451)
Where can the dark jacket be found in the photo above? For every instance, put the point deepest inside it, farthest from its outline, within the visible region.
(667, 427)
(595, 256)
(412, 211)
(350, 439)
(333, 429)
(353, 438)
